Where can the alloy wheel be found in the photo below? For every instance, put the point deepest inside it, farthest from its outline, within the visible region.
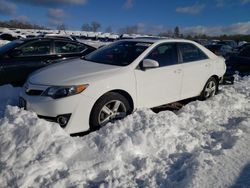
(113, 110)
(210, 89)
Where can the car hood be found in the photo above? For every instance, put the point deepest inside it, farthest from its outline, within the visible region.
(72, 72)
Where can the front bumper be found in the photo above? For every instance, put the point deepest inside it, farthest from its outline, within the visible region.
(79, 106)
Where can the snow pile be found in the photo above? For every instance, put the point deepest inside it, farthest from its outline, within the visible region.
(206, 144)
(3, 42)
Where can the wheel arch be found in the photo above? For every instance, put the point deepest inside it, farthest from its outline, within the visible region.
(121, 92)
(126, 95)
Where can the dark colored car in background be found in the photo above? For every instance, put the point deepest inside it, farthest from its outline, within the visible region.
(239, 62)
(230, 43)
(243, 46)
(220, 50)
(21, 57)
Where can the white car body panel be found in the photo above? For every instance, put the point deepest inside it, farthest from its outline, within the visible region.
(191, 86)
(154, 89)
(147, 88)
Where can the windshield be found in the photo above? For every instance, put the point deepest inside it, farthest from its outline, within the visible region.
(119, 53)
(5, 48)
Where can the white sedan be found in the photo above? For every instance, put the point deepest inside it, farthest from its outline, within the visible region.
(112, 82)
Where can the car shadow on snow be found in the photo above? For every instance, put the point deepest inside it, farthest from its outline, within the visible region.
(243, 181)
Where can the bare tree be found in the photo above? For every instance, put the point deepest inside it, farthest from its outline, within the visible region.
(129, 29)
(176, 31)
(95, 26)
(86, 27)
(109, 29)
(61, 27)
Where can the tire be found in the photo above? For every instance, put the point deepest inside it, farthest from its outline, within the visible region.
(110, 107)
(210, 89)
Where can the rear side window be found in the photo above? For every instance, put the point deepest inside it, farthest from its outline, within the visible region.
(35, 48)
(191, 53)
(164, 54)
(62, 47)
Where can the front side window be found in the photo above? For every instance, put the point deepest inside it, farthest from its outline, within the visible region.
(62, 47)
(119, 53)
(164, 54)
(35, 48)
(191, 53)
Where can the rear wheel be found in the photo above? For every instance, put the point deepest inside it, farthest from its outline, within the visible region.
(110, 107)
(210, 89)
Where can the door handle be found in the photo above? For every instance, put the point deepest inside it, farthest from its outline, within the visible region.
(177, 71)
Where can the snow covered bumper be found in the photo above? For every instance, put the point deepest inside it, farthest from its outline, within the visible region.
(72, 111)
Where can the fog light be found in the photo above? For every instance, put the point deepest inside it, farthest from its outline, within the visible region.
(63, 120)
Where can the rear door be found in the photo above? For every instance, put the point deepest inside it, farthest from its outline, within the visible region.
(162, 85)
(197, 69)
(33, 55)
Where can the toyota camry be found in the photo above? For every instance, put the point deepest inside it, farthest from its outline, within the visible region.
(115, 80)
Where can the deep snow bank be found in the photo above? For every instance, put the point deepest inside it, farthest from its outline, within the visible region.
(206, 144)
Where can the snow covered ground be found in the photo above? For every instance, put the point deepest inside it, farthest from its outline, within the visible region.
(205, 144)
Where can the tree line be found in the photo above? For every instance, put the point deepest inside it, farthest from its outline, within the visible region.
(20, 25)
(95, 26)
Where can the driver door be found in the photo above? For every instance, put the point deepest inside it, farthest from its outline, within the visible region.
(161, 85)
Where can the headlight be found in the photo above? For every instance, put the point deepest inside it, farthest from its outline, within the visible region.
(56, 92)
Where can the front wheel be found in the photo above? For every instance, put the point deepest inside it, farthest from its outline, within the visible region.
(110, 107)
(210, 89)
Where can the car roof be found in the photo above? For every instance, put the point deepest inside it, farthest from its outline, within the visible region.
(54, 38)
(157, 40)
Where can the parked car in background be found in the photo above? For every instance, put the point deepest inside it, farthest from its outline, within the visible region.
(242, 46)
(113, 81)
(6, 36)
(220, 50)
(231, 43)
(21, 57)
(240, 62)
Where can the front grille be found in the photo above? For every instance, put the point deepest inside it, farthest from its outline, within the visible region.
(34, 92)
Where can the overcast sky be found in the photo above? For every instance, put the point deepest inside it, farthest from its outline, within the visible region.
(213, 17)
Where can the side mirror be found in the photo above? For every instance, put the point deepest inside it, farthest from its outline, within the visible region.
(15, 52)
(149, 63)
